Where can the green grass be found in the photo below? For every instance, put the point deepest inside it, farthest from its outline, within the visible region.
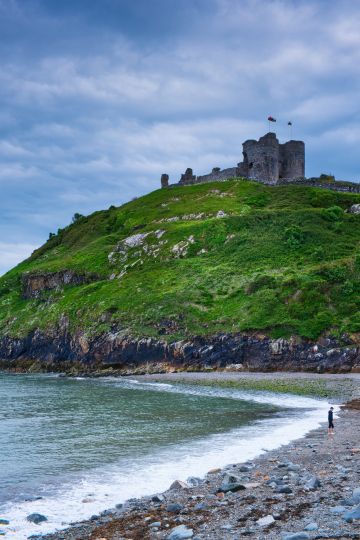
(285, 260)
(300, 387)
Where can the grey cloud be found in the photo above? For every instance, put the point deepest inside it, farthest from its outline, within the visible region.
(81, 130)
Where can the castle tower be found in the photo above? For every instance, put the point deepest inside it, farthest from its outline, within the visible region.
(164, 180)
(292, 160)
(261, 158)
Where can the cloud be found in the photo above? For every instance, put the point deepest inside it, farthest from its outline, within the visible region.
(98, 102)
(13, 253)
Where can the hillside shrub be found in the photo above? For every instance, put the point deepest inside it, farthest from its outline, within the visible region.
(333, 213)
(294, 236)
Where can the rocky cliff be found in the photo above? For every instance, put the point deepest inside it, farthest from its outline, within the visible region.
(248, 352)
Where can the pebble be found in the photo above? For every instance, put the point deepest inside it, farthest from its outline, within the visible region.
(338, 509)
(201, 506)
(155, 524)
(226, 527)
(233, 487)
(181, 532)
(265, 521)
(313, 483)
(156, 499)
(353, 514)
(283, 489)
(312, 526)
(178, 484)
(356, 495)
(174, 507)
(296, 536)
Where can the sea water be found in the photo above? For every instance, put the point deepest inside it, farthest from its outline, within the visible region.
(70, 448)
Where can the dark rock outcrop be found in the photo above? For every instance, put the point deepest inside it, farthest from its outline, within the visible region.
(240, 351)
(33, 284)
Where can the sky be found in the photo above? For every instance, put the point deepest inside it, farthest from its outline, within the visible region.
(98, 98)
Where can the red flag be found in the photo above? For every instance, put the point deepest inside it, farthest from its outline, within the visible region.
(271, 119)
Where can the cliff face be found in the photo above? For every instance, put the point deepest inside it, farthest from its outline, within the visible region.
(258, 353)
(34, 284)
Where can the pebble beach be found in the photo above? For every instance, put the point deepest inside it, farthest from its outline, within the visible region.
(308, 489)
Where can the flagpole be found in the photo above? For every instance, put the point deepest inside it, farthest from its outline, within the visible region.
(290, 129)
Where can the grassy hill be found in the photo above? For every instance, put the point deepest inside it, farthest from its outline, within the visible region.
(228, 256)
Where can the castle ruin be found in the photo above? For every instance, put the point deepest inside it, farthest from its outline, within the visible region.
(265, 160)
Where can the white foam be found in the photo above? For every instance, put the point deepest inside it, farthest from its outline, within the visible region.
(154, 473)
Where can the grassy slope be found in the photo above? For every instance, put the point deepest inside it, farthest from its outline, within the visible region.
(286, 260)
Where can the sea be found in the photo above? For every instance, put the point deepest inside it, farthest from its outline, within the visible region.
(73, 447)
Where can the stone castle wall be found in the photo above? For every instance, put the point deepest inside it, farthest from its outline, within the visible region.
(265, 160)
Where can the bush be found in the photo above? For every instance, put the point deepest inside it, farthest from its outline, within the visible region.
(333, 213)
(334, 274)
(347, 288)
(294, 236)
(319, 253)
(76, 217)
(258, 201)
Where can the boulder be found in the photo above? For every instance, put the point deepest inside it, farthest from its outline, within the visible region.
(36, 518)
(355, 209)
(158, 498)
(232, 486)
(174, 507)
(231, 483)
(178, 484)
(194, 481)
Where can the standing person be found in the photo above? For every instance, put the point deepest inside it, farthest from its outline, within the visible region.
(331, 421)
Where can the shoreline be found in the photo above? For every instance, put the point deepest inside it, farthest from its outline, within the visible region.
(222, 515)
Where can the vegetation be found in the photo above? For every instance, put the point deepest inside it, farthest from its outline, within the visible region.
(301, 387)
(225, 256)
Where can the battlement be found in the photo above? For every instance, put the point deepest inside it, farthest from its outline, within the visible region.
(265, 160)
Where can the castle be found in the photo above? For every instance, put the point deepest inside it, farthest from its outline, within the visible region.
(265, 160)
